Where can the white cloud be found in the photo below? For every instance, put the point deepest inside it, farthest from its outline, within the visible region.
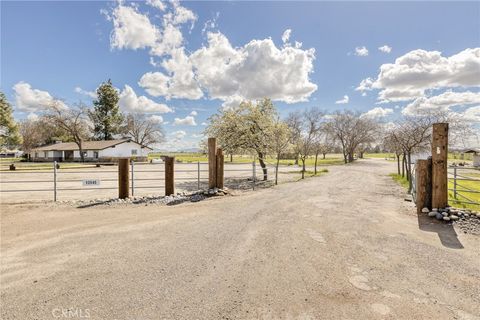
(419, 70)
(32, 100)
(286, 35)
(193, 113)
(218, 70)
(180, 14)
(91, 94)
(204, 124)
(187, 121)
(132, 30)
(179, 82)
(444, 102)
(156, 118)
(180, 134)
(129, 101)
(385, 49)
(365, 85)
(157, 4)
(258, 69)
(361, 51)
(344, 100)
(472, 114)
(377, 113)
(199, 135)
(170, 40)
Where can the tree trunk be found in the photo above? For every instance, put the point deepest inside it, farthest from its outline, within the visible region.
(276, 169)
(398, 163)
(80, 149)
(345, 156)
(296, 160)
(303, 168)
(360, 155)
(403, 165)
(350, 157)
(263, 165)
(316, 158)
(231, 157)
(324, 156)
(409, 163)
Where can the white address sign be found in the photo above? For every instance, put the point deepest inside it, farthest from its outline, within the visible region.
(90, 182)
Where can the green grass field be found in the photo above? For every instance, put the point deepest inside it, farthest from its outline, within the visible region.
(400, 180)
(475, 197)
(379, 155)
(464, 185)
(330, 159)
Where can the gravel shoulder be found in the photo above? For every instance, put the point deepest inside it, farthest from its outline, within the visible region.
(341, 246)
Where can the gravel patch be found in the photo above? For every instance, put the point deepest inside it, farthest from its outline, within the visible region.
(465, 219)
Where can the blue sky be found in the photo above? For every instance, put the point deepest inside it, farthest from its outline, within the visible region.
(52, 48)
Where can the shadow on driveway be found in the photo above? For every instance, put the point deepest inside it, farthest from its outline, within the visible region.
(446, 232)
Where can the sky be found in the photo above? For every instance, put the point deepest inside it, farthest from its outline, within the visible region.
(180, 62)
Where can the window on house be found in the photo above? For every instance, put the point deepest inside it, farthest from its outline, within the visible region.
(45, 154)
(134, 152)
(36, 154)
(95, 154)
(84, 154)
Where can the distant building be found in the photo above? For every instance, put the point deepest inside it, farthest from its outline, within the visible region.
(11, 154)
(476, 156)
(106, 150)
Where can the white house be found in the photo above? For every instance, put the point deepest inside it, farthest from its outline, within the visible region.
(106, 150)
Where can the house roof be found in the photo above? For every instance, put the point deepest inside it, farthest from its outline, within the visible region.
(473, 150)
(86, 145)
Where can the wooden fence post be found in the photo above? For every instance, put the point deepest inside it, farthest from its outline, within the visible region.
(439, 165)
(220, 161)
(423, 188)
(212, 163)
(169, 176)
(123, 178)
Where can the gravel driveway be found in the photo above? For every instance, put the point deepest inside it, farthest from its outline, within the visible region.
(341, 246)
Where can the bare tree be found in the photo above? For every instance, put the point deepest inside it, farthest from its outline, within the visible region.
(73, 121)
(143, 130)
(351, 130)
(306, 128)
(322, 145)
(281, 139)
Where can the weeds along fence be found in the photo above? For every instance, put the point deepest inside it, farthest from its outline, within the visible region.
(103, 181)
(464, 185)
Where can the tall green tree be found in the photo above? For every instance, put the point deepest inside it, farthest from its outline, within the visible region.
(9, 135)
(106, 116)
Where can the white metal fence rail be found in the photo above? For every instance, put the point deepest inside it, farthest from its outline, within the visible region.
(458, 177)
(143, 176)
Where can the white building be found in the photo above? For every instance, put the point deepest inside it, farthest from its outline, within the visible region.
(106, 150)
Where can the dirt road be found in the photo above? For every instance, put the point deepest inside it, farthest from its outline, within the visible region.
(341, 246)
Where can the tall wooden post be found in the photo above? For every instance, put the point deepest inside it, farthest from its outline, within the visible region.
(423, 187)
(212, 163)
(169, 176)
(220, 162)
(439, 165)
(123, 178)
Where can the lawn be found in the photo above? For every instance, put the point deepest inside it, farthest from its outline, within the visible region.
(465, 185)
(400, 180)
(474, 185)
(379, 155)
(330, 159)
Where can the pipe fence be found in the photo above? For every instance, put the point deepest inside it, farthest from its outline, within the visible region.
(59, 183)
(464, 182)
